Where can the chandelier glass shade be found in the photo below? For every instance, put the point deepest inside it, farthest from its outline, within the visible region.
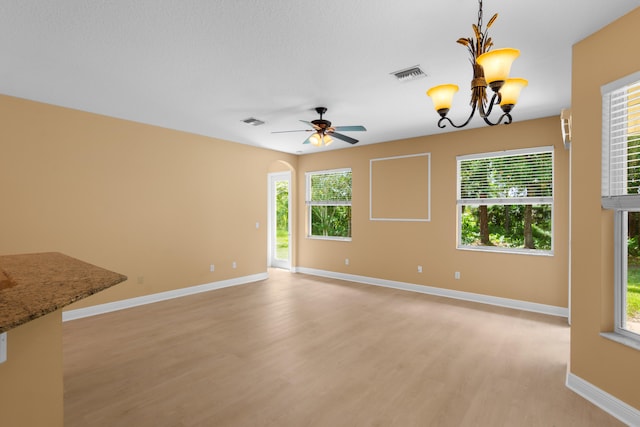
(496, 64)
(490, 68)
(442, 96)
(510, 91)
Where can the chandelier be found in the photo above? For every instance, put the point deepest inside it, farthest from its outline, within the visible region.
(490, 67)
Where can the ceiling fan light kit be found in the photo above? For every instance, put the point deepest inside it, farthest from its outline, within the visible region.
(490, 68)
(318, 140)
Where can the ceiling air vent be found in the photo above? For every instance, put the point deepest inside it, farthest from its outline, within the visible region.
(253, 121)
(409, 74)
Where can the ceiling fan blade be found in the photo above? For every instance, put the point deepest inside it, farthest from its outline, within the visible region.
(311, 124)
(350, 128)
(287, 131)
(345, 138)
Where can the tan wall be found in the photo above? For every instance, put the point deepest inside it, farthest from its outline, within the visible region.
(393, 250)
(144, 201)
(140, 200)
(31, 378)
(599, 59)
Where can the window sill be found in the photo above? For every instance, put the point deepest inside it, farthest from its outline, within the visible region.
(514, 251)
(339, 239)
(621, 339)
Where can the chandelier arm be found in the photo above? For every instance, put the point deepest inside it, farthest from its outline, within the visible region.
(495, 100)
(506, 116)
(442, 125)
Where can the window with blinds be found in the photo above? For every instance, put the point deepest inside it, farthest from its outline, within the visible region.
(505, 200)
(507, 178)
(328, 200)
(621, 143)
(621, 193)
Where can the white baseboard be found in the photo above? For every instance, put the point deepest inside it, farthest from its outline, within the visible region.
(441, 292)
(608, 403)
(161, 296)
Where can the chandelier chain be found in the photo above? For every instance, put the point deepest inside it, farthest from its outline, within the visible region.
(480, 15)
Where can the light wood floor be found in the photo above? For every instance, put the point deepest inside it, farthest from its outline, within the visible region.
(296, 350)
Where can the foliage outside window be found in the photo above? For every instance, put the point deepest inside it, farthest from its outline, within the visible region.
(328, 202)
(505, 201)
(628, 282)
(282, 219)
(621, 192)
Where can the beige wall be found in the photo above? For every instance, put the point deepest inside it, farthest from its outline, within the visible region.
(599, 59)
(31, 378)
(393, 250)
(140, 200)
(146, 202)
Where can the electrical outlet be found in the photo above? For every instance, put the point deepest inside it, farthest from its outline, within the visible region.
(234, 265)
(457, 275)
(346, 261)
(212, 268)
(419, 269)
(257, 225)
(3, 347)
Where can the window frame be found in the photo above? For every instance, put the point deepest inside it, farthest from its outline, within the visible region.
(614, 197)
(620, 226)
(309, 204)
(535, 201)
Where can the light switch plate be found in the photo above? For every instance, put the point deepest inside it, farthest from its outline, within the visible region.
(3, 347)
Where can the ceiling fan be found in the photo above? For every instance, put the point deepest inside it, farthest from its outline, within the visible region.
(323, 131)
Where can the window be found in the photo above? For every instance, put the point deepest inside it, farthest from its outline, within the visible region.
(621, 193)
(505, 201)
(328, 202)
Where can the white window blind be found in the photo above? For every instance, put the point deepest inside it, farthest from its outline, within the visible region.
(621, 143)
(510, 177)
(329, 188)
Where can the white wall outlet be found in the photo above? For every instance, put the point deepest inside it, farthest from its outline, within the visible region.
(234, 265)
(257, 225)
(3, 347)
(212, 268)
(457, 275)
(346, 261)
(419, 269)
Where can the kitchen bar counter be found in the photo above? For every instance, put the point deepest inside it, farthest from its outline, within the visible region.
(32, 285)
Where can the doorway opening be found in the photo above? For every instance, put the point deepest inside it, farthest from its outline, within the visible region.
(280, 220)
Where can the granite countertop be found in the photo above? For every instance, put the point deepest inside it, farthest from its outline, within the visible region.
(32, 285)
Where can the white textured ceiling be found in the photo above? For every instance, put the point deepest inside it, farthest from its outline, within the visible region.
(203, 66)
